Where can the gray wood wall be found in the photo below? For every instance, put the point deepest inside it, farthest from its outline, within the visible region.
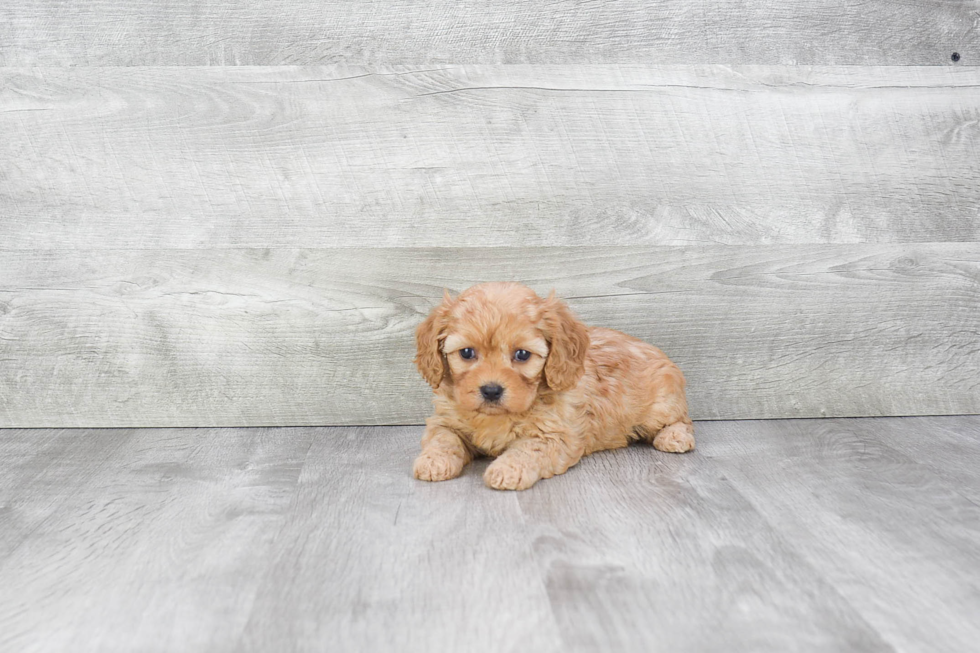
(226, 214)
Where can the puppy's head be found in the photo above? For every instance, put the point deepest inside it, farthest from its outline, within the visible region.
(498, 344)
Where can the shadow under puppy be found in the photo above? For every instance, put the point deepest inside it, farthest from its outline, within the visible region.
(520, 378)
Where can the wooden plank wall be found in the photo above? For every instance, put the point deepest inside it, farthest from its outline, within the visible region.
(215, 215)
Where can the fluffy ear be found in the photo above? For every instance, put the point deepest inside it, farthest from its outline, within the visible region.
(568, 341)
(428, 343)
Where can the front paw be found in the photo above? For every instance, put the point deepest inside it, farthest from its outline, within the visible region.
(506, 473)
(437, 466)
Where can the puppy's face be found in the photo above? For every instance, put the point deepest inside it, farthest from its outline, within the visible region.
(495, 360)
(497, 344)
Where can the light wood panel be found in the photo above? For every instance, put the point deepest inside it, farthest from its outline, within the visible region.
(809, 535)
(642, 551)
(374, 560)
(945, 447)
(222, 32)
(291, 337)
(863, 514)
(487, 156)
(147, 547)
(38, 466)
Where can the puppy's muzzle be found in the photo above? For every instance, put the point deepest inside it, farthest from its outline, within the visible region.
(491, 392)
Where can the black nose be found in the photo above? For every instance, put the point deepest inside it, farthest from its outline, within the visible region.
(491, 391)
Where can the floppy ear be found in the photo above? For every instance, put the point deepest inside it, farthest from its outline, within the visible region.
(568, 340)
(428, 343)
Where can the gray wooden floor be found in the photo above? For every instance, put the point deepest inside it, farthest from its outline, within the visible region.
(773, 536)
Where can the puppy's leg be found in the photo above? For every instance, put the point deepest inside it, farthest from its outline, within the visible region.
(675, 438)
(665, 423)
(443, 455)
(668, 428)
(529, 459)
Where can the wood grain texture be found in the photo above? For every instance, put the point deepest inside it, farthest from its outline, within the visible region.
(944, 447)
(373, 560)
(525, 156)
(807, 535)
(38, 466)
(645, 551)
(151, 546)
(222, 32)
(864, 514)
(293, 337)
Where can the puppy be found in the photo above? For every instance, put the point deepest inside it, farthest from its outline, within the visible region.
(519, 378)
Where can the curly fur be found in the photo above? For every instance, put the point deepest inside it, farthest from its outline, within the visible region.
(583, 389)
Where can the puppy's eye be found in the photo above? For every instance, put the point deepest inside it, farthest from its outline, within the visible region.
(467, 353)
(522, 355)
